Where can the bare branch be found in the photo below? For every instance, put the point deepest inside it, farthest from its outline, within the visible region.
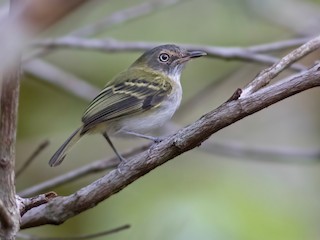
(8, 120)
(112, 45)
(268, 74)
(91, 236)
(80, 88)
(93, 167)
(62, 79)
(32, 157)
(25, 204)
(286, 155)
(279, 45)
(241, 150)
(184, 140)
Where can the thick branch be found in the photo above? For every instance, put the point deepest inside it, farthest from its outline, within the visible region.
(8, 122)
(25, 204)
(62, 208)
(24, 21)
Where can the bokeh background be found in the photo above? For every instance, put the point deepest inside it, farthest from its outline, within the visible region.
(201, 194)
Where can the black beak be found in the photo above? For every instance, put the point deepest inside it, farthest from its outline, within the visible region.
(196, 54)
(191, 54)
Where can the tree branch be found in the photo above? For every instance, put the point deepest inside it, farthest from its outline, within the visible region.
(25, 204)
(236, 149)
(62, 208)
(112, 45)
(5, 217)
(23, 21)
(93, 167)
(82, 237)
(62, 79)
(29, 160)
(8, 121)
(268, 74)
(279, 45)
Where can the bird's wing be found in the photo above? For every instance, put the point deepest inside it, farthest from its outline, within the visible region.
(125, 97)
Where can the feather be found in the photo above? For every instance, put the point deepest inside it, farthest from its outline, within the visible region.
(127, 96)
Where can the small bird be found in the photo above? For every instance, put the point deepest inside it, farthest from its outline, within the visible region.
(137, 100)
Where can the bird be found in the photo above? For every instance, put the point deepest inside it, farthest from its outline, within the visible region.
(142, 98)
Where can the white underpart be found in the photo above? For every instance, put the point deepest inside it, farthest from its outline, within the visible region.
(144, 123)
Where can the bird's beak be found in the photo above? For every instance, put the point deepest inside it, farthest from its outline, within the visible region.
(196, 54)
(190, 55)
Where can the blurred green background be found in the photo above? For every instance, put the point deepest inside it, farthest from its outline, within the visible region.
(198, 195)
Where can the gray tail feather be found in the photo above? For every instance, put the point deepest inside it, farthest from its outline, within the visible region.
(60, 154)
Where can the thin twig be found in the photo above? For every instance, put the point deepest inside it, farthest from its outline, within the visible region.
(240, 150)
(82, 237)
(278, 46)
(287, 155)
(268, 74)
(32, 157)
(93, 167)
(112, 45)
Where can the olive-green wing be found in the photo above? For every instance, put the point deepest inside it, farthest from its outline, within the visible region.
(125, 98)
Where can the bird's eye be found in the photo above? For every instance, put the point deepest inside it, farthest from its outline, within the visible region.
(164, 57)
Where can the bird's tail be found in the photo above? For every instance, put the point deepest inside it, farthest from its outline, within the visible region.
(60, 154)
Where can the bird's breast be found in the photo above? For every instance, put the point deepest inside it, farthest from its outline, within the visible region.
(153, 118)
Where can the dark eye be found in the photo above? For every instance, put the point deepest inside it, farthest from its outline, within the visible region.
(164, 57)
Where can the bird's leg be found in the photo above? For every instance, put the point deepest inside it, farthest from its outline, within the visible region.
(113, 147)
(151, 138)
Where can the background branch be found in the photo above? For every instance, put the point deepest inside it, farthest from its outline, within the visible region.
(89, 236)
(93, 167)
(112, 45)
(30, 159)
(56, 76)
(236, 149)
(268, 74)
